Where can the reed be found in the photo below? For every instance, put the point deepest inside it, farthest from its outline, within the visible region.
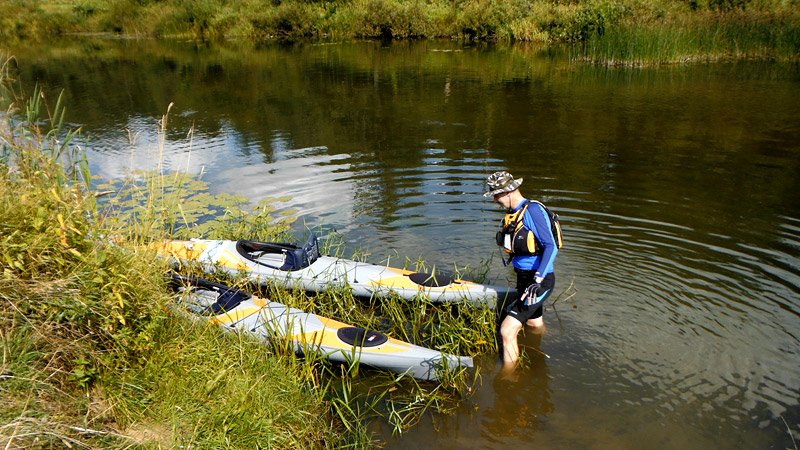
(221, 390)
(360, 394)
(702, 37)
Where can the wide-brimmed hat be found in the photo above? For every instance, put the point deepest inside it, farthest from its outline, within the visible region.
(500, 182)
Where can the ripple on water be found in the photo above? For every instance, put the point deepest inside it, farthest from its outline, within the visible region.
(679, 319)
(702, 317)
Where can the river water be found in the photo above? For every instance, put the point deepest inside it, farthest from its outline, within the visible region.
(678, 324)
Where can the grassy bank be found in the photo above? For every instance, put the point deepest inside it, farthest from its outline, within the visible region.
(633, 31)
(92, 355)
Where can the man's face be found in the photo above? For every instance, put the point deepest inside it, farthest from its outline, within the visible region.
(502, 200)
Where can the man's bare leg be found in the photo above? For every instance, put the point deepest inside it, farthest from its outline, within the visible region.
(509, 329)
(537, 324)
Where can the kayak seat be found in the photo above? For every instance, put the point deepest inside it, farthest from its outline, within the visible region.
(361, 337)
(431, 280)
(280, 256)
(270, 259)
(196, 300)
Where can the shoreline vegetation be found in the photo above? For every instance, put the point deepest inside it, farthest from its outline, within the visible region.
(611, 32)
(94, 356)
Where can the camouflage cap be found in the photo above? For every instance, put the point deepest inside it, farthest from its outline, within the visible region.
(500, 182)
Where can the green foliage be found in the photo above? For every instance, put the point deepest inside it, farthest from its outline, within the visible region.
(124, 16)
(480, 19)
(587, 21)
(186, 17)
(12, 23)
(507, 20)
(222, 390)
(84, 373)
(721, 5)
(288, 19)
(87, 9)
(88, 343)
(380, 17)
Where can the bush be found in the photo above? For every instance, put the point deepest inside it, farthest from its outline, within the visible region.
(585, 22)
(291, 19)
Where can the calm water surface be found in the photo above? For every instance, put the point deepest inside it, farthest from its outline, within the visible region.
(678, 188)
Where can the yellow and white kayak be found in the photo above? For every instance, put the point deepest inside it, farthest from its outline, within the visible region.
(291, 266)
(237, 310)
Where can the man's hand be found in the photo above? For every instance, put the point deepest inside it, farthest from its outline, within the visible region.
(530, 295)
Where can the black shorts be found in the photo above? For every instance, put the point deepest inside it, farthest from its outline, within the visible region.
(525, 278)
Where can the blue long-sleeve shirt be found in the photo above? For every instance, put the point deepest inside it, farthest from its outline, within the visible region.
(537, 220)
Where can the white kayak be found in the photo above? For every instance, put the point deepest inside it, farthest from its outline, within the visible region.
(290, 266)
(233, 309)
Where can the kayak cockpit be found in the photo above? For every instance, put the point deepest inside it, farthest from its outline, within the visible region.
(207, 298)
(280, 256)
(431, 279)
(361, 337)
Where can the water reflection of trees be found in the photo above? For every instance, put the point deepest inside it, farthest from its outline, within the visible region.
(667, 135)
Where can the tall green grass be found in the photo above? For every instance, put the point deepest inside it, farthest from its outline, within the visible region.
(91, 356)
(616, 31)
(701, 37)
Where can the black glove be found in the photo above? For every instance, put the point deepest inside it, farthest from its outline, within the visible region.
(530, 294)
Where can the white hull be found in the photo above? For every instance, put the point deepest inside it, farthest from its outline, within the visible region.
(363, 279)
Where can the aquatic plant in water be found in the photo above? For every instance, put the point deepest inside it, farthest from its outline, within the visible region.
(179, 205)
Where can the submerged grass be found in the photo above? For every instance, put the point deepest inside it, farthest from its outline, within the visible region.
(93, 356)
(360, 393)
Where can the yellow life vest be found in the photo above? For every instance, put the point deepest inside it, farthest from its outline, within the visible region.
(517, 240)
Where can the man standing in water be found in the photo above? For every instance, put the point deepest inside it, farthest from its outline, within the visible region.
(526, 235)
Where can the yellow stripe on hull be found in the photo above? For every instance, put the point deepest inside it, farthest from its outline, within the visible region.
(228, 259)
(235, 316)
(325, 337)
(330, 339)
(405, 282)
(181, 250)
